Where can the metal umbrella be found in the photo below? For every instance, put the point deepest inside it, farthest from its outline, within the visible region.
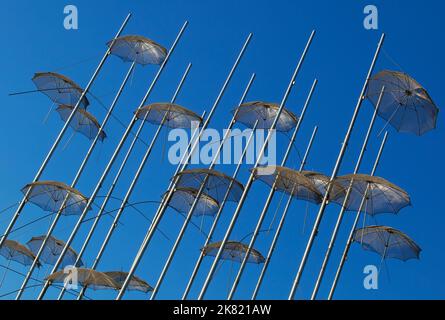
(139, 49)
(265, 113)
(85, 277)
(60, 89)
(234, 251)
(51, 251)
(136, 283)
(14, 251)
(82, 122)
(53, 196)
(183, 198)
(406, 105)
(389, 243)
(168, 114)
(382, 196)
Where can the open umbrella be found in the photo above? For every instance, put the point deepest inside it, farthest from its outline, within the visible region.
(322, 181)
(138, 49)
(174, 116)
(234, 251)
(389, 243)
(50, 195)
(183, 198)
(136, 283)
(265, 113)
(14, 251)
(59, 89)
(406, 105)
(85, 277)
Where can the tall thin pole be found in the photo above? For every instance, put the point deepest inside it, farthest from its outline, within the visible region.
(163, 207)
(251, 177)
(345, 201)
(282, 220)
(60, 136)
(354, 226)
(133, 184)
(74, 182)
(115, 155)
(269, 199)
(334, 173)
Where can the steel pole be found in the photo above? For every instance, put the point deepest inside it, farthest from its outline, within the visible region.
(334, 174)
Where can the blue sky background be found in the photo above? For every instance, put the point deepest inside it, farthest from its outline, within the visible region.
(35, 40)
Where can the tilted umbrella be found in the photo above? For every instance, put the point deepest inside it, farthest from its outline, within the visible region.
(289, 181)
(82, 122)
(183, 198)
(406, 105)
(265, 113)
(59, 89)
(50, 195)
(85, 277)
(382, 196)
(217, 183)
(136, 284)
(322, 181)
(52, 250)
(173, 115)
(234, 251)
(14, 251)
(389, 243)
(138, 49)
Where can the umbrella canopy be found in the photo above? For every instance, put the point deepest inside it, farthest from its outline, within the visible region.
(50, 196)
(389, 243)
(139, 49)
(136, 283)
(14, 251)
(59, 89)
(265, 113)
(289, 181)
(217, 184)
(234, 251)
(52, 250)
(321, 181)
(406, 105)
(174, 116)
(183, 198)
(85, 277)
(382, 196)
(82, 122)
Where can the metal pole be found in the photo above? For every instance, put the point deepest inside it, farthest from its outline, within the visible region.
(162, 208)
(345, 202)
(60, 136)
(282, 220)
(115, 154)
(334, 174)
(269, 199)
(251, 178)
(132, 186)
(74, 182)
(117, 177)
(354, 226)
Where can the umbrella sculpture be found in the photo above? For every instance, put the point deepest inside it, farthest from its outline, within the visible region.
(136, 283)
(59, 89)
(168, 114)
(265, 113)
(14, 251)
(406, 105)
(82, 122)
(289, 181)
(381, 195)
(183, 198)
(389, 243)
(85, 277)
(52, 250)
(234, 251)
(321, 182)
(138, 49)
(51, 195)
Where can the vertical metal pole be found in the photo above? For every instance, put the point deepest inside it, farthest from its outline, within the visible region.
(345, 202)
(251, 178)
(354, 226)
(60, 136)
(282, 220)
(334, 174)
(74, 182)
(269, 198)
(115, 154)
(161, 210)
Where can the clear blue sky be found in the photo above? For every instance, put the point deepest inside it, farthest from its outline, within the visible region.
(34, 40)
